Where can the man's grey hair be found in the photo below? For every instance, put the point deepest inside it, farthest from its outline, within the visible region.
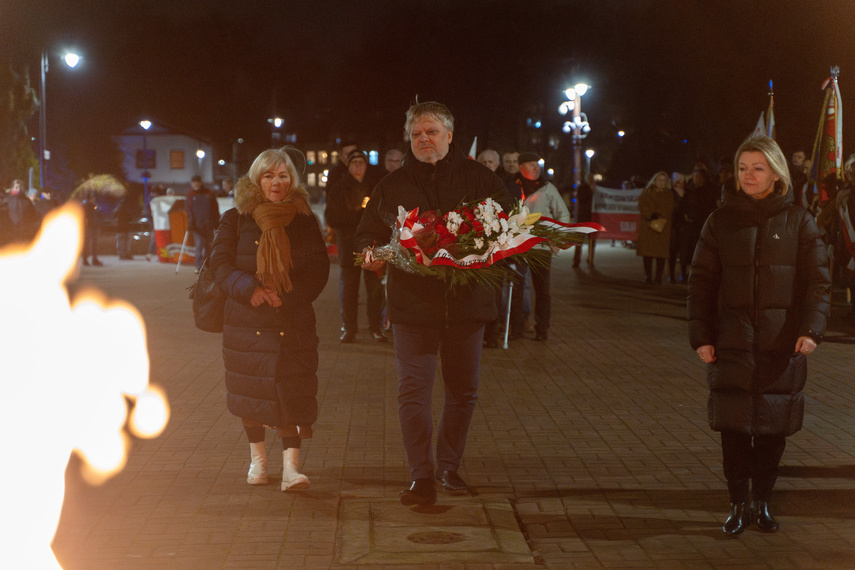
(437, 111)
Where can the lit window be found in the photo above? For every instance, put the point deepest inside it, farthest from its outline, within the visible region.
(323, 155)
(334, 157)
(312, 179)
(176, 159)
(310, 157)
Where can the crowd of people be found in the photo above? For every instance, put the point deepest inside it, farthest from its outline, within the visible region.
(751, 245)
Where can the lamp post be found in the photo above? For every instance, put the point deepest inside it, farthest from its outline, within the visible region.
(235, 161)
(578, 125)
(146, 125)
(275, 132)
(71, 60)
(590, 154)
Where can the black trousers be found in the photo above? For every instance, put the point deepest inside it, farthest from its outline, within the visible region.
(756, 459)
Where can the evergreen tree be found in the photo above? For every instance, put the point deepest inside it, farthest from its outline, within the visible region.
(18, 102)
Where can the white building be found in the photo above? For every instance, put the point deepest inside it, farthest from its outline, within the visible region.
(174, 157)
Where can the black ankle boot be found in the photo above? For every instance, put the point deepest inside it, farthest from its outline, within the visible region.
(739, 518)
(763, 516)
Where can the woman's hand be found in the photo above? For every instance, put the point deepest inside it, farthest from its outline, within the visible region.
(707, 353)
(806, 345)
(263, 295)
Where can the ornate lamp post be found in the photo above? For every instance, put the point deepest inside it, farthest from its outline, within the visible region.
(578, 125)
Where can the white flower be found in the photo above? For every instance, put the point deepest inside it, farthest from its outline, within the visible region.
(479, 243)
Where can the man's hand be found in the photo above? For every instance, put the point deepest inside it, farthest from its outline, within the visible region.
(374, 264)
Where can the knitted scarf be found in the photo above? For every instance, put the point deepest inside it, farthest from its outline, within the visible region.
(274, 248)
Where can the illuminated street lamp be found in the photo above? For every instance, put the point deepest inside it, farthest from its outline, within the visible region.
(146, 125)
(71, 60)
(578, 125)
(275, 131)
(590, 154)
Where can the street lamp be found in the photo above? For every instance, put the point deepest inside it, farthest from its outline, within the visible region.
(71, 60)
(235, 161)
(146, 125)
(578, 125)
(275, 132)
(590, 154)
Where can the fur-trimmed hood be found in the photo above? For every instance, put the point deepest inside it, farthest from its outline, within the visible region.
(249, 195)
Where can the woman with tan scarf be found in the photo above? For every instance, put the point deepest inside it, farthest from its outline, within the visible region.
(270, 258)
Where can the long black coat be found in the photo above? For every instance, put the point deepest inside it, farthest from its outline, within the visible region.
(454, 180)
(759, 281)
(270, 355)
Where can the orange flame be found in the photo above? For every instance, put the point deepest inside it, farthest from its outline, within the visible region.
(67, 373)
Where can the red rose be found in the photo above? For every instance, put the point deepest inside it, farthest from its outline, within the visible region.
(445, 240)
(464, 229)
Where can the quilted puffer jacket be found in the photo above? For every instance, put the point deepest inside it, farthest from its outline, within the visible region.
(759, 281)
(270, 354)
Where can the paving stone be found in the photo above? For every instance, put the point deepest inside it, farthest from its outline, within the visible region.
(594, 443)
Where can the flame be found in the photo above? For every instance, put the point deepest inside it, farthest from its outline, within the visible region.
(69, 372)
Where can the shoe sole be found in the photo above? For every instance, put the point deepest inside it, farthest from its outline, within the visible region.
(257, 480)
(296, 485)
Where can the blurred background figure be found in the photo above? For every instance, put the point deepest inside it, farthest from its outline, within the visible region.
(346, 203)
(656, 205)
(489, 158)
(393, 160)
(583, 205)
(19, 221)
(203, 215)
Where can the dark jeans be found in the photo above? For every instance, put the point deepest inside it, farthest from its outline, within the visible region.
(123, 244)
(349, 298)
(542, 299)
(203, 240)
(416, 348)
(756, 460)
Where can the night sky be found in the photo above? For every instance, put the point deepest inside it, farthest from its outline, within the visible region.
(663, 71)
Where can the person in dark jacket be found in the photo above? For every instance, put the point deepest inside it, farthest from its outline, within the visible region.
(758, 301)
(429, 316)
(345, 204)
(203, 213)
(270, 258)
(583, 207)
(19, 221)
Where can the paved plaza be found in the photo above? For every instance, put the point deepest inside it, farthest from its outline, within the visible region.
(591, 450)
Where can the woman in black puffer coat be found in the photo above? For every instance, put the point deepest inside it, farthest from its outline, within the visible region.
(269, 257)
(758, 301)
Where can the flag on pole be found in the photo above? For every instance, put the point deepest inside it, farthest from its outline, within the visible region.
(827, 157)
(760, 129)
(473, 147)
(770, 114)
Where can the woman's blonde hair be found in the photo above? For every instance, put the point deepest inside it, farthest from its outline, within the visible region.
(655, 176)
(269, 160)
(774, 156)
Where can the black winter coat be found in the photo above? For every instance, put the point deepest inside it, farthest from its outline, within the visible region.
(270, 355)
(759, 281)
(453, 181)
(343, 213)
